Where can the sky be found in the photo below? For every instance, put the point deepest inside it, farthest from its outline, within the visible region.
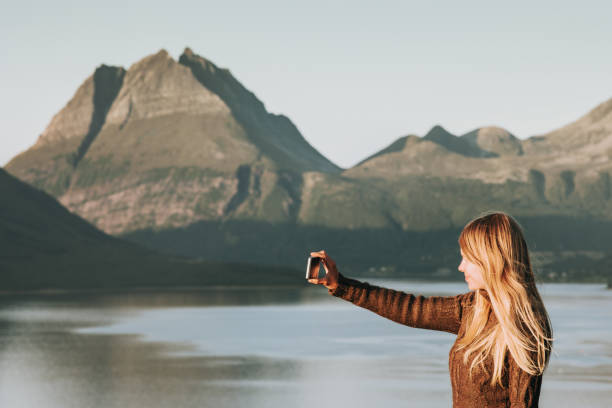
(353, 76)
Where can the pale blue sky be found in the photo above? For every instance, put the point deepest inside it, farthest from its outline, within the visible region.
(352, 75)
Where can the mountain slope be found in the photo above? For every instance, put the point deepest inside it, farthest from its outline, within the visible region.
(591, 134)
(171, 144)
(182, 157)
(44, 246)
(494, 141)
(275, 135)
(49, 163)
(566, 172)
(437, 154)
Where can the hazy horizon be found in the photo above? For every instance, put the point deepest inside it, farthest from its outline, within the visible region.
(353, 77)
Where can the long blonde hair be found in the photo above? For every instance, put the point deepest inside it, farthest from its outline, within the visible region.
(496, 244)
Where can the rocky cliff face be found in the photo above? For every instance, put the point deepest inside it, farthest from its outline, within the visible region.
(165, 144)
(51, 161)
(275, 135)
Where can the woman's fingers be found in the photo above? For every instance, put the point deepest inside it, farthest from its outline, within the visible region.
(329, 266)
(322, 254)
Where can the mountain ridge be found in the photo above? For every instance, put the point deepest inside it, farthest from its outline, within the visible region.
(163, 126)
(185, 144)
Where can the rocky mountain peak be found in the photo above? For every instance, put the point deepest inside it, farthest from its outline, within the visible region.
(275, 135)
(168, 143)
(455, 144)
(189, 55)
(494, 141)
(156, 86)
(438, 133)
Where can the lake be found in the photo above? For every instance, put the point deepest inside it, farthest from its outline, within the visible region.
(267, 348)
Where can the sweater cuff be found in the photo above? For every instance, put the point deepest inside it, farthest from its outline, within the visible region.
(342, 288)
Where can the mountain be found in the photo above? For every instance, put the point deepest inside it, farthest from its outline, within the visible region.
(167, 143)
(181, 157)
(494, 141)
(44, 246)
(274, 135)
(564, 172)
(463, 146)
(590, 135)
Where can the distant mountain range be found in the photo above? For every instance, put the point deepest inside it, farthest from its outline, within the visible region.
(180, 156)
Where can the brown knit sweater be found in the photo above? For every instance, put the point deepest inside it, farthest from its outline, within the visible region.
(520, 389)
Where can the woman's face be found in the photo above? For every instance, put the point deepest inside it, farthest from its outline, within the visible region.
(472, 272)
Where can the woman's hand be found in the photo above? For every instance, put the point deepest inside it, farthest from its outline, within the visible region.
(330, 281)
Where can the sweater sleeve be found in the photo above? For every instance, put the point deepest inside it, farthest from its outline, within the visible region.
(434, 312)
(524, 388)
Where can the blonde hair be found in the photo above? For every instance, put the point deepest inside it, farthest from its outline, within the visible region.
(496, 244)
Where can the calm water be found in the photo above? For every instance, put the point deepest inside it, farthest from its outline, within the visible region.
(267, 348)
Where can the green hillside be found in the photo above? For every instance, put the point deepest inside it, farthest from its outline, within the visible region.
(43, 246)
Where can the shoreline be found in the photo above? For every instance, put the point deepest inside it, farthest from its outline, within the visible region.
(145, 289)
(179, 288)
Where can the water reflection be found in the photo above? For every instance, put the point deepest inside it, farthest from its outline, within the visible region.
(265, 348)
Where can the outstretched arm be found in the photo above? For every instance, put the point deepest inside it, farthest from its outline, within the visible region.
(434, 312)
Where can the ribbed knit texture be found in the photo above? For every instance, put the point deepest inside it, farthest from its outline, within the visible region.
(519, 389)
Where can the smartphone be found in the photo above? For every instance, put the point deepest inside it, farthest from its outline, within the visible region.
(315, 268)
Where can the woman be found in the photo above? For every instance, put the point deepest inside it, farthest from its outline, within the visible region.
(504, 336)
